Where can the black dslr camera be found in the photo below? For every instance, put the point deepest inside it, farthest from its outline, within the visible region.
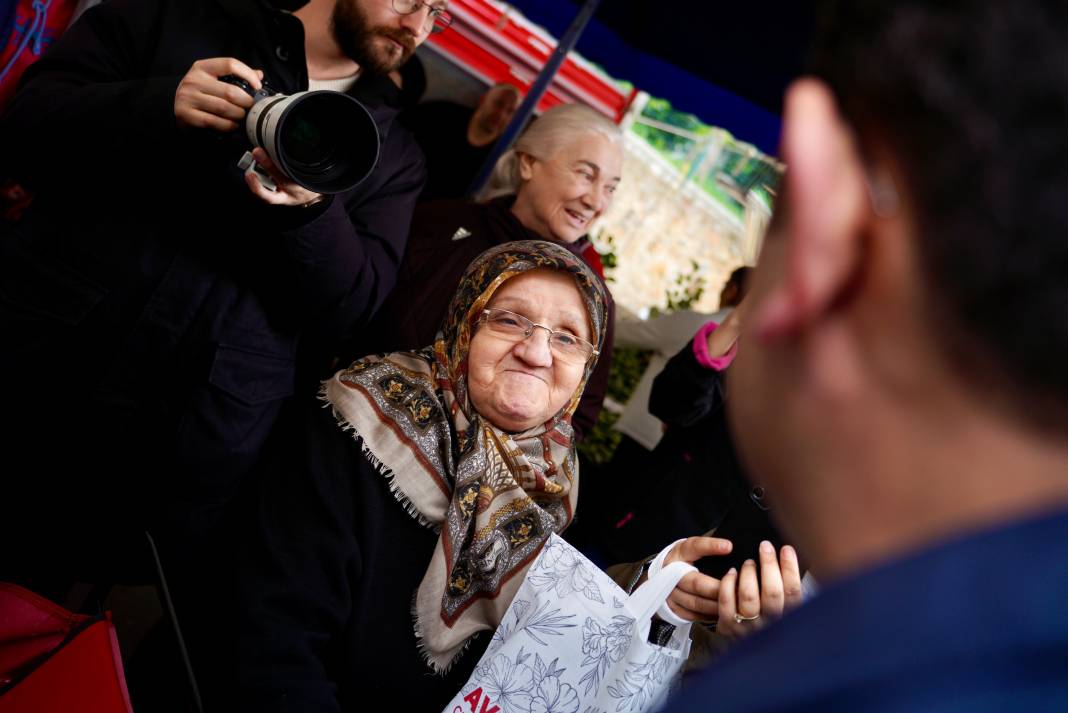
(325, 141)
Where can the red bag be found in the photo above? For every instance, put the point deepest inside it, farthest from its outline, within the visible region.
(36, 25)
(52, 660)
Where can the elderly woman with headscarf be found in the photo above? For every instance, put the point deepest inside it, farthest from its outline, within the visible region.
(558, 178)
(400, 523)
(394, 528)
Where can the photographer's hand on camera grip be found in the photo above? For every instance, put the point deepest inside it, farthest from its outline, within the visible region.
(288, 192)
(204, 101)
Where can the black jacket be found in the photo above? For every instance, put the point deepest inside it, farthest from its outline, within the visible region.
(330, 565)
(446, 236)
(452, 164)
(148, 297)
(700, 483)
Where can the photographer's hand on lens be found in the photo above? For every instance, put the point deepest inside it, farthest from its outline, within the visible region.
(203, 101)
(288, 193)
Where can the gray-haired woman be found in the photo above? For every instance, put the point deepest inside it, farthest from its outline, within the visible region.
(559, 177)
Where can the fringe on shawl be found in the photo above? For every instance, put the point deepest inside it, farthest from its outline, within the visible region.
(441, 669)
(384, 470)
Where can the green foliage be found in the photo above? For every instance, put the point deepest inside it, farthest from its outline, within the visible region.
(740, 166)
(725, 199)
(673, 146)
(628, 365)
(602, 442)
(660, 110)
(749, 170)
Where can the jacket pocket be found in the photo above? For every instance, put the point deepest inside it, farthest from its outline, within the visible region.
(252, 377)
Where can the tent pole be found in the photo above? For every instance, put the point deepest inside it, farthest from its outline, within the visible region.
(537, 89)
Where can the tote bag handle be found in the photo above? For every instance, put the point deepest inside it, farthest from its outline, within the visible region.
(648, 597)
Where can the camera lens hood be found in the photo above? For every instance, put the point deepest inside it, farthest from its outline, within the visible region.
(325, 141)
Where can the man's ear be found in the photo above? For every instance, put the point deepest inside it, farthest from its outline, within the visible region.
(827, 206)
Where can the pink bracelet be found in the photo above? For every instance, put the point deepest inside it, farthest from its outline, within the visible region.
(700, 350)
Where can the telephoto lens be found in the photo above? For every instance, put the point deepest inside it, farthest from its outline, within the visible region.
(325, 141)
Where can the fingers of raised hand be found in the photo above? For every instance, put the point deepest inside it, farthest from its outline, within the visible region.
(700, 585)
(791, 576)
(748, 597)
(739, 597)
(771, 581)
(683, 611)
(695, 597)
(726, 625)
(755, 596)
(694, 548)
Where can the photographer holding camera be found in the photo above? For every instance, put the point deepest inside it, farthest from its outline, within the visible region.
(159, 305)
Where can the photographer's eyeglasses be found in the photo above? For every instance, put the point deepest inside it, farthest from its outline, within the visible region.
(437, 20)
(515, 327)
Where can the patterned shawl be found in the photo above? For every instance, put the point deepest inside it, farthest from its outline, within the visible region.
(494, 497)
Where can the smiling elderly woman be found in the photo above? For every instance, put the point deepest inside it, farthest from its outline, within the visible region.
(398, 527)
(558, 178)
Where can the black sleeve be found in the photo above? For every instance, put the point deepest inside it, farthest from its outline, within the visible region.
(300, 563)
(344, 261)
(685, 391)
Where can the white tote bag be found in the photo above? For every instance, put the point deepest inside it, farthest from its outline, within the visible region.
(573, 641)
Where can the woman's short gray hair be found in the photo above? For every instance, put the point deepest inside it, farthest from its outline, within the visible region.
(541, 140)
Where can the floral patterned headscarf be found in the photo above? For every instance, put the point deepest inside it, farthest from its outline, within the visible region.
(494, 497)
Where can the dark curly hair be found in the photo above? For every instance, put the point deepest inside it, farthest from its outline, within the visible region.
(971, 97)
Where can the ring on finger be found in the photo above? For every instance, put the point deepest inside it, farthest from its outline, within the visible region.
(738, 618)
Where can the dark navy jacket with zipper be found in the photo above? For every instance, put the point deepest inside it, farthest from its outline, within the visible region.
(155, 315)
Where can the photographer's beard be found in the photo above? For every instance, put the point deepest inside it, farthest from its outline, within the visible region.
(378, 50)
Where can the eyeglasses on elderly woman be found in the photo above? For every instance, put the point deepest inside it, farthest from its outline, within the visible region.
(565, 346)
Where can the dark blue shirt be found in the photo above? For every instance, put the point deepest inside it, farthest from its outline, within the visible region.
(975, 624)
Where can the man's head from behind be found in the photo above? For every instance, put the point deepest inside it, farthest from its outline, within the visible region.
(915, 268)
(381, 35)
(495, 109)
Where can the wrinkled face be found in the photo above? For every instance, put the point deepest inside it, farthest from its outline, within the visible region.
(517, 385)
(562, 194)
(375, 36)
(495, 110)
